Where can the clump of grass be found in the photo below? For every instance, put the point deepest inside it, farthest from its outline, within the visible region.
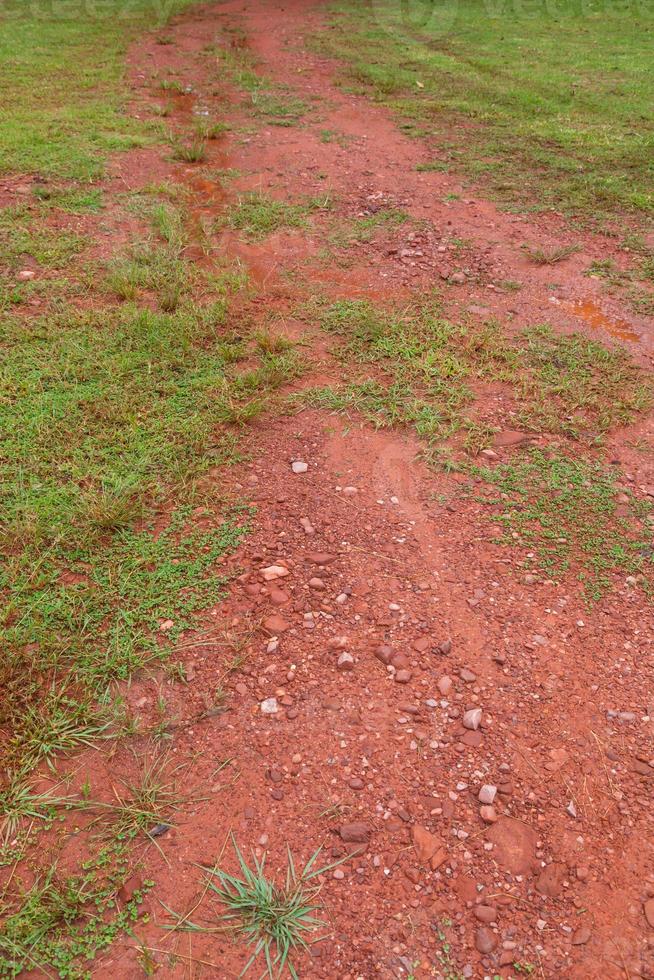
(193, 152)
(276, 921)
(564, 509)
(207, 130)
(257, 215)
(543, 256)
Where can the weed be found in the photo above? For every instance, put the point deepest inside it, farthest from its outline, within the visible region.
(542, 256)
(207, 130)
(366, 228)
(276, 921)
(193, 152)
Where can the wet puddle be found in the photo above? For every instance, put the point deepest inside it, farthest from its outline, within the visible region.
(588, 311)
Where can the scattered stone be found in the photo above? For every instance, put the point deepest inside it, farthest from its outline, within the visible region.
(488, 814)
(321, 557)
(275, 624)
(581, 936)
(356, 783)
(350, 491)
(273, 572)
(299, 467)
(550, 880)
(510, 437)
(514, 845)
(307, 526)
(345, 662)
(571, 809)
(485, 940)
(487, 794)
(316, 583)
(26, 274)
(467, 676)
(429, 848)
(445, 685)
(445, 647)
(402, 676)
(485, 913)
(356, 832)
(472, 720)
(269, 706)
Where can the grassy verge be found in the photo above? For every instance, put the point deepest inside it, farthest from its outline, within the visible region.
(123, 384)
(548, 107)
(62, 74)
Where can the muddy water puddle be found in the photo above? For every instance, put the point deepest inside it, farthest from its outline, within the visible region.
(594, 317)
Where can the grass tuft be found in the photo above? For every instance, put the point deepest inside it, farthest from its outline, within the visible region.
(276, 921)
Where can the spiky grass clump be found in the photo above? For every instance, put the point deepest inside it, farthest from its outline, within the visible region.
(275, 921)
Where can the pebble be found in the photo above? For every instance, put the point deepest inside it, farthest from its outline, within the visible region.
(471, 720)
(581, 936)
(445, 685)
(273, 572)
(345, 662)
(299, 467)
(485, 940)
(467, 676)
(356, 832)
(402, 676)
(26, 274)
(488, 814)
(487, 794)
(269, 706)
(485, 913)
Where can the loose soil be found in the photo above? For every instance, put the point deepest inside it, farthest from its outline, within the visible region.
(391, 562)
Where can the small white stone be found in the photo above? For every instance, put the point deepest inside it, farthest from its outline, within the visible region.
(299, 467)
(269, 706)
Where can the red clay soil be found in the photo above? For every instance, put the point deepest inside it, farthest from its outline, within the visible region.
(488, 732)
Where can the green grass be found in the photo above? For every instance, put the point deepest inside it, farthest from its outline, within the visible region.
(275, 104)
(366, 229)
(547, 108)
(275, 921)
(63, 79)
(257, 215)
(411, 367)
(564, 510)
(24, 235)
(426, 368)
(60, 920)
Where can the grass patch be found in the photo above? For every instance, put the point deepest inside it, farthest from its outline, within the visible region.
(549, 109)
(63, 79)
(367, 228)
(23, 236)
(276, 104)
(257, 215)
(565, 510)
(426, 369)
(551, 256)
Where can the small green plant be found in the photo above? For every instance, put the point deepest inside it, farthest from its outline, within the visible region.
(276, 921)
(193, 152)
(207, 130)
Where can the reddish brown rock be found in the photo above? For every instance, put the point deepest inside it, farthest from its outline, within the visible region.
(514, 845)
(550, 880)
(429, 848)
